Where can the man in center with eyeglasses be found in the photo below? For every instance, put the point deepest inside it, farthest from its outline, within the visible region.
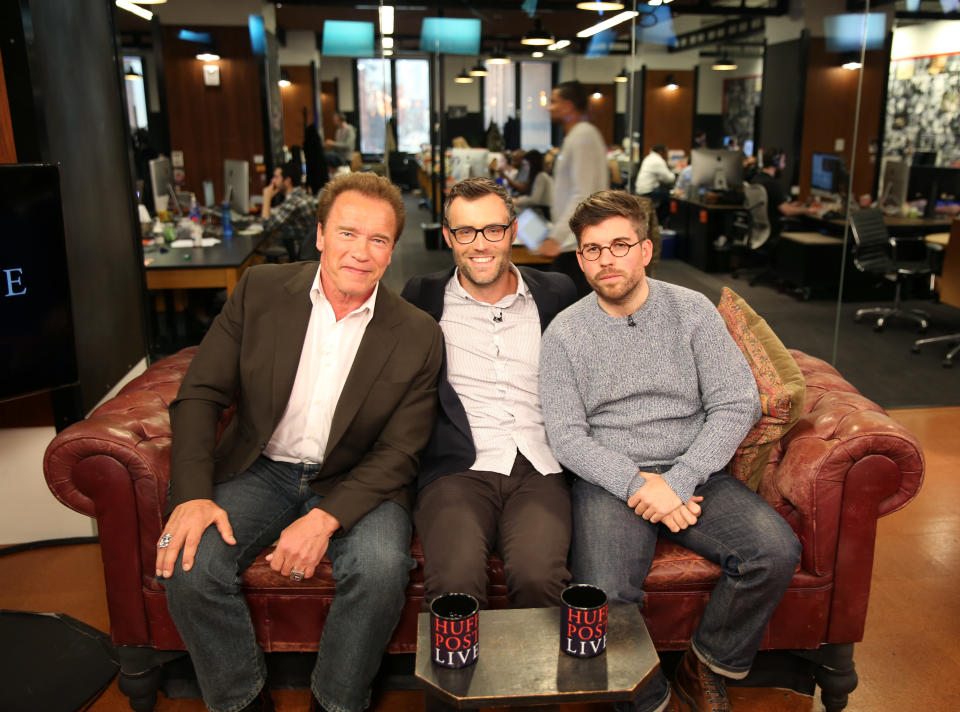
(488, 481)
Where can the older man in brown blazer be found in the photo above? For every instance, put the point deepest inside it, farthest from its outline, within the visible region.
(334, 381)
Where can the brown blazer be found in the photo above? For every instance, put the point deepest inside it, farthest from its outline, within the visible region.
(250, 356)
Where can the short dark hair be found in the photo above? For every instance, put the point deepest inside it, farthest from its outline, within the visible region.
(473, 189)
(618, 203)
(368, 184)
(659, 148)
(574, 92)
(293, 171)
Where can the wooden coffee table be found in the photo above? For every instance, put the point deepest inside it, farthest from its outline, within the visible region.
(521, 662)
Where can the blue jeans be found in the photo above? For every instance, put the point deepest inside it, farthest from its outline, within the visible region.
(754, 546)
(371, 565)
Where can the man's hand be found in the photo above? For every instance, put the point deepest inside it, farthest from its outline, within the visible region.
(303, 543)
(549, 248)
(328, 142)
(186, 525)
(684, 516)
(655, 499)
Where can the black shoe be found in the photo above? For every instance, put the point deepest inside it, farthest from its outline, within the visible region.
(261, 703)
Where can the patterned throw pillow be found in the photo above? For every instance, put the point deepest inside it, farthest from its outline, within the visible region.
(779, 381)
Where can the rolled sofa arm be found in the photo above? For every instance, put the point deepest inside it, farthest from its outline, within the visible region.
(843, 465)
(114, 466)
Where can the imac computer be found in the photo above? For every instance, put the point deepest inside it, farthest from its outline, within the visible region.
(236, 184)
(824, 174)
(469, 163)
(717, 169)
(161, 177)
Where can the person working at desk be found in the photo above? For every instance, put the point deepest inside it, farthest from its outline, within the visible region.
(340, 148)
(655, 178)
(276, 183)
(517, 175)
(778, 207)
(579, 171)
(488, 479)
(295, 219)
(334, 381)
(645, 398)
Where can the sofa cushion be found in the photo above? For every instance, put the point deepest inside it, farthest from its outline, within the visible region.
(779, 381)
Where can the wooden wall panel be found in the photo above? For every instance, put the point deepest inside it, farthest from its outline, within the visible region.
(296, 97)
(8, 151)
(829, 107)
(328, 106)
(668, 114)
(213, 123)
(601, 110)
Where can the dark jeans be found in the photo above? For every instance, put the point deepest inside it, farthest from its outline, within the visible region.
(753, 545)
(462, 517)
(371, 565)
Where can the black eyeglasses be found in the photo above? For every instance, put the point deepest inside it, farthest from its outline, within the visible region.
(466, 235)
(618, 248)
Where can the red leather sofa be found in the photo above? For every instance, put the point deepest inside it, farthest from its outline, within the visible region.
(843, 465)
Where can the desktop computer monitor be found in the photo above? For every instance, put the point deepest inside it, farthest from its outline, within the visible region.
(717, 169)
(161, 178)
(894, 179)
(469, 163)
(935, 185)
(824, 175)
(236, 185)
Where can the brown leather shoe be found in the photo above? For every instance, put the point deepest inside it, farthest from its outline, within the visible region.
(699, 686)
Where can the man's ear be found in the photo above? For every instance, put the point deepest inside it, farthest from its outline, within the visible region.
(319, 237)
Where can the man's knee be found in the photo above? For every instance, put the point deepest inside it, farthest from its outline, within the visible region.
(212, 571)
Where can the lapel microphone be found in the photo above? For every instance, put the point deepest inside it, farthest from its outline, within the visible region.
(630, 321)
(498, 317)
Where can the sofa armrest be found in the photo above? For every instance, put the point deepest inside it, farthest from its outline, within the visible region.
(842, 466)
(115, 466)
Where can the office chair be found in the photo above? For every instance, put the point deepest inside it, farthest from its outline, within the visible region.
(875, 252)
(949, 288)
(753, 244)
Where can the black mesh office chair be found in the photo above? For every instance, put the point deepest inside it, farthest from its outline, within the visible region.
(875, 252)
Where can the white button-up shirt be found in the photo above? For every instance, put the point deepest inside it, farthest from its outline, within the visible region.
(493, 352)
(325, 361)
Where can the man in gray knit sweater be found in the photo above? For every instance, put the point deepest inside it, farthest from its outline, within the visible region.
(646, 397)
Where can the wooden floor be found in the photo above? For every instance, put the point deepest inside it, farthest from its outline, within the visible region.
(909, 659)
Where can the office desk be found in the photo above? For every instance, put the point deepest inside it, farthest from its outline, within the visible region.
(203, 267)
(897, 225)
(698, 227)
(520, 255)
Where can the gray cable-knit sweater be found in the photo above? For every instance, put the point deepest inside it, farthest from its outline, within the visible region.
(673, 390)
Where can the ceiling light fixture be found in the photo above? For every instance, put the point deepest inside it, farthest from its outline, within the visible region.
(284, 78)
(558, 45)
(135, 9)
(151, 2)
(852, 66)
(208, 57)
(536, 55)
(599, 5)
(132, 74)
(671, 83)
(479, 70)
(622, 77)
(386, 42)
(388, 53)
(607, 24)
(498, 57)
(386, 19)
(537, 37)
(597, 95)
(463, 78)
(724, 63)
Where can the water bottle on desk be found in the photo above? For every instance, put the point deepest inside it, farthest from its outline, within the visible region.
(225, 220)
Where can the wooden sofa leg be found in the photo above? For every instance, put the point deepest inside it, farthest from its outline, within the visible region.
(836, 675)
(141, 673)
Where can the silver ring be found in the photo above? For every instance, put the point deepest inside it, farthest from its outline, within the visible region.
(296, 575)
(164, 541)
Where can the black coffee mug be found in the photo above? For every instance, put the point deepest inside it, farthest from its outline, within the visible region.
(454, 621)
(584, 620)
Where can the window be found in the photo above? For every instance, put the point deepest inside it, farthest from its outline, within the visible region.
(413, 104)
(535, 86)
(133, 88)
(499, 94)
(376, 106)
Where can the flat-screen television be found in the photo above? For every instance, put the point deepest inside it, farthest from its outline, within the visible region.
(37, 351)
(717, 169)
(824, 174)
(236, 182)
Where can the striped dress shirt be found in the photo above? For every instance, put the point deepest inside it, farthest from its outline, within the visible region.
(493, 351)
